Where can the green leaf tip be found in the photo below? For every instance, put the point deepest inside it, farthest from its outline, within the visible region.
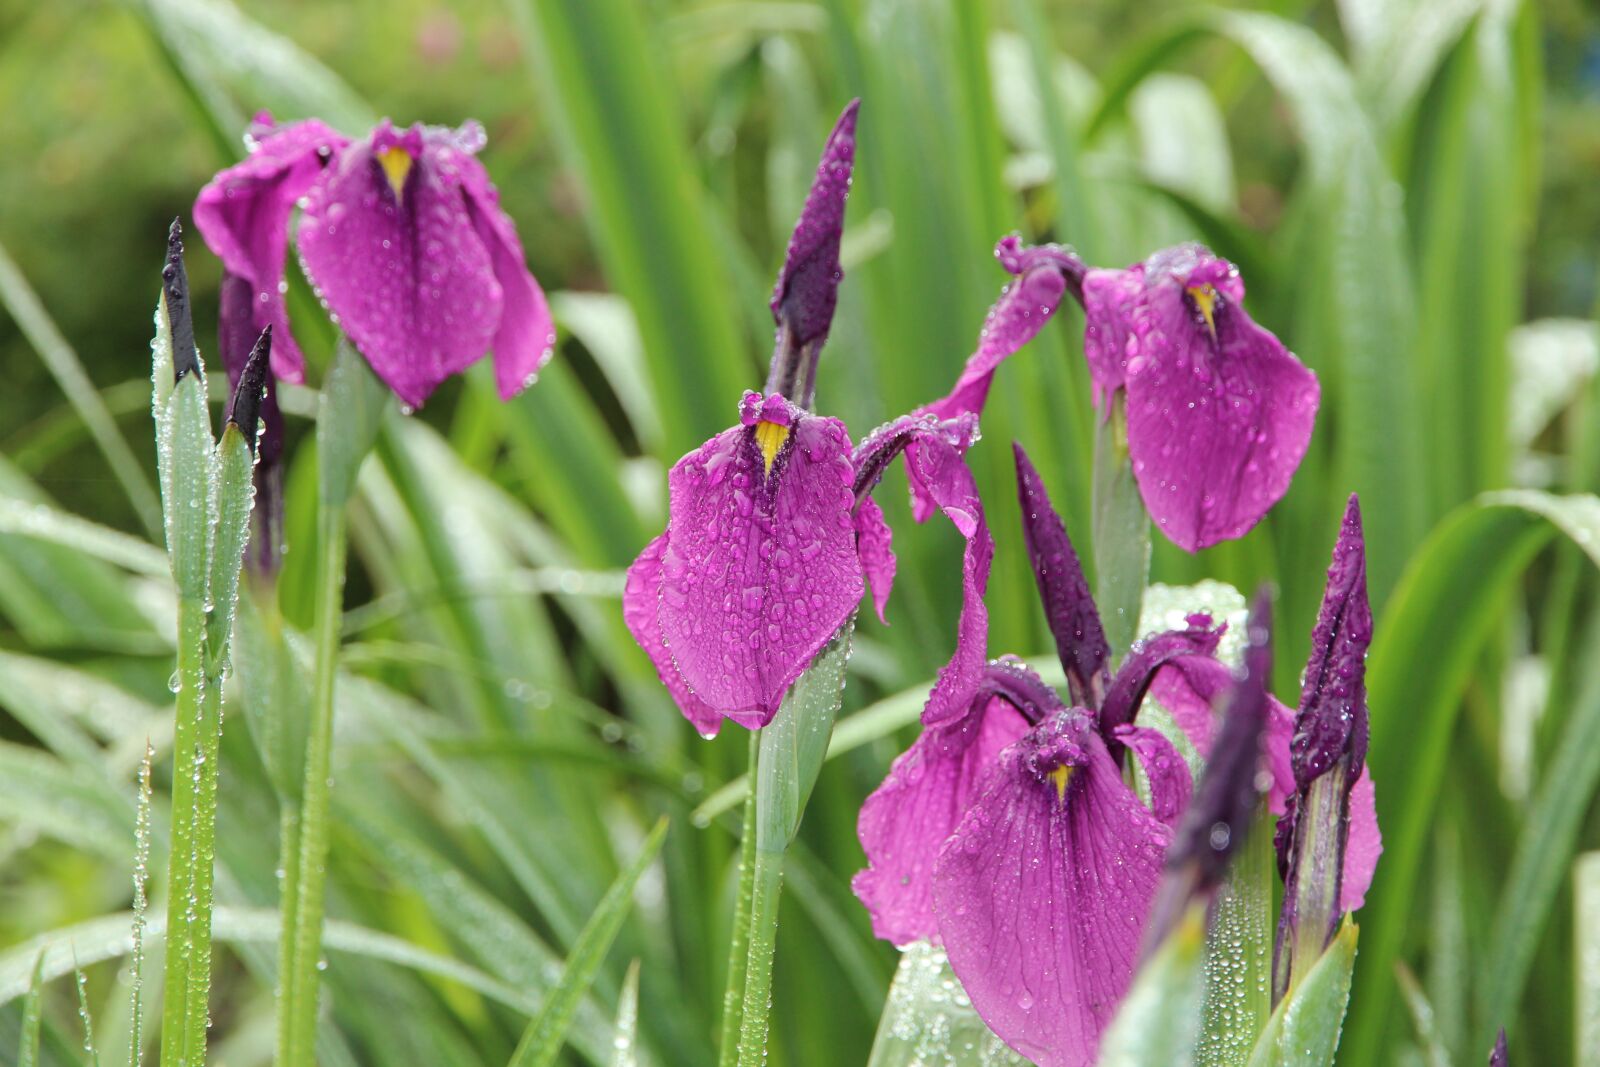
(244, 410)
(175, 288)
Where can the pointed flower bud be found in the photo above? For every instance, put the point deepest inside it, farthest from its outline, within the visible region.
(807, 289)
(1499, 1056)
(180, 317)
(244, 408)
(1068, 606)
(1326, 755)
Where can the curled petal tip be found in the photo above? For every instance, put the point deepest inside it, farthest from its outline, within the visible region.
(180, 321)
(244, 411)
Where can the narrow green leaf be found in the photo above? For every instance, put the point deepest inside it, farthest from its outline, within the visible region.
(795, 742)
(90, 1050)
(349, 415)
(28, 1053)
(141, 900)
(1159, 1019)
(1422, 1018)
(1586, 941)
(1238, 953)
(627, 1031)
(58, 527)
(1121, 533)
(1304, 1029)
(542, 1040)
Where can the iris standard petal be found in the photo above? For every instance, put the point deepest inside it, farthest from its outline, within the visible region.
(1042, 891)
(641, 611)
(760, 566)
(1219, 412)
(1043, 273)
(524, 339)
(391, 248)
(1068, 605)
(907, 819)
(243, 214)
(1142, 664)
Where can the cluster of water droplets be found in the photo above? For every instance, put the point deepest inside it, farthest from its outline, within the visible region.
(929, 1021)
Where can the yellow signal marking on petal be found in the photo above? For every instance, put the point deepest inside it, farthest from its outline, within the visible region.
(1061, 776)
(769, 438)
(396, 163)
(1205, 298)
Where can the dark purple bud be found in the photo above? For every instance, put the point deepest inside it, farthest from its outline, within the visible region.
(1068, 605)
(807, 289)
(1499, 1056)
(180, 321)
(239, 346)
(1332, 723)
(1229, 793)
(250, 392)
(1138, 670)
(1326, 755)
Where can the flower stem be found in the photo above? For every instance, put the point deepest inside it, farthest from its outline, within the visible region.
(1121, 531)
(739, 939)
(767, 889)
(180, 864)
(297, 1004)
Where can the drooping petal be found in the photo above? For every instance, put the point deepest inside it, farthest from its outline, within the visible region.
(907, 819)
(1111, 301)
(393, 250)
(1164, 769)
(524, 340)
(243, 214)
(1044, 888)
(760, 565)
(641, 611)
(1068, 606)
(1219, 412)
(807, 289)
(875, 542)
(1043, 273)
(1140, 667)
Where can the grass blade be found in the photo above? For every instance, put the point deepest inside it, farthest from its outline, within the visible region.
(28, 1051)
(542, 1040)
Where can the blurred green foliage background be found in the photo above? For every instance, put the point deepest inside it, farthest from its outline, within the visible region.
(1404, 185)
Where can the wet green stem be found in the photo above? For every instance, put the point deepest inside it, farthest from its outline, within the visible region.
(1121, 531)
(739, 938)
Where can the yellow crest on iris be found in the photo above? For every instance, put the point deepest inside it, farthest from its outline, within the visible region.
(770, 437)
(396, 163)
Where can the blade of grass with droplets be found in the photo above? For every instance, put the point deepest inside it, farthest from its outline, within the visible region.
(141, 868)
(547, 1032)
(64, 365)
(627, 1028)
(28, 1050)
(1438, 619)
(90, 1049)
(619, 128)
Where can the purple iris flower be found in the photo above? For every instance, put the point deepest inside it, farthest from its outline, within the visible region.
(402, 235)
(1007, 831)
(1219, 413)
(772, 534)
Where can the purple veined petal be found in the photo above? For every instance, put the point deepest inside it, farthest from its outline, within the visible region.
(1332, 721)
(807, 288)
(1111, 300)
(1164, 768)
(641, 611)
(1042, 891)
(392, 249)
(1219, 412)
(760, 566)
(1043, 273)
(1139, 668)
(906, 819)
(243, 214)
(525, 338)
(875, 542)
(1068, 605)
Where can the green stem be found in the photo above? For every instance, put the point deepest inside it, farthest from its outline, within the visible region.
(739, 939)
(203, 850)
(766, 889)
(300, 986)
(180, 862)
(1238, 966)
(1121, 532)
(288, 907)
